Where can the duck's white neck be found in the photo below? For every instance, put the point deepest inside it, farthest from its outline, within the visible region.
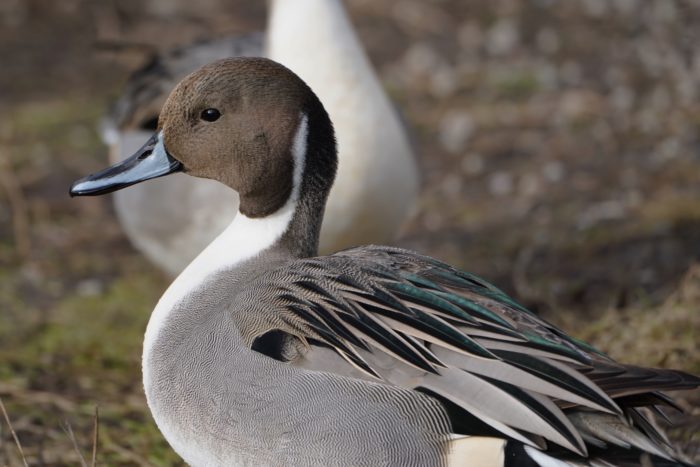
(243, 239)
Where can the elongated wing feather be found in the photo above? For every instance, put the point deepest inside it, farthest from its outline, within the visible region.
(415, 322)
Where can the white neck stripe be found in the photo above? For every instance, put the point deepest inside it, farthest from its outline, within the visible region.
(299, 154)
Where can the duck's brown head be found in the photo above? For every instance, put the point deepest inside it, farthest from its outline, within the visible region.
(243, 122)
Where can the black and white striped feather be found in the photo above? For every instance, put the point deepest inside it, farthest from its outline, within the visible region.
(415, 322)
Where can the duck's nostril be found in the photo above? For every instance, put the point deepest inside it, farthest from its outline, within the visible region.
(144, 154)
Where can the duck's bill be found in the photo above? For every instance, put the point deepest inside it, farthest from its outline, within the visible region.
(151, 161)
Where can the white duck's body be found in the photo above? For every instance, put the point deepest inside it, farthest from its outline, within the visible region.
(377, 181)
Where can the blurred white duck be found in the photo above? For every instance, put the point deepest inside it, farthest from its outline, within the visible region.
(172, 220)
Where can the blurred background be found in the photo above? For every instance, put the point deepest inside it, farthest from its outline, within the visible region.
(559, 144)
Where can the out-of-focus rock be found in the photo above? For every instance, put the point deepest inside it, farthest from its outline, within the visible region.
(455, 128)
(502, 37)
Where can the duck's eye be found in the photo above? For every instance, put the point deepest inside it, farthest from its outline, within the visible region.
(210, 115)
(150, 125)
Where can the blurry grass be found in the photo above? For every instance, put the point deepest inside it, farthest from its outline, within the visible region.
(6, 418)
(516, 85)
(664, 336)
(55, 365)
(100, 333)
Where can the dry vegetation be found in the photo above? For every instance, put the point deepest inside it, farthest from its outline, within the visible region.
(560, 150)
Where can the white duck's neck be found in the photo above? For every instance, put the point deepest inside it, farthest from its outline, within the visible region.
(316, 40)
(243, 239)
(297, 27)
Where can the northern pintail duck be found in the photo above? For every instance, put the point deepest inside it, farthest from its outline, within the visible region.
(263, 353)
(377, 180)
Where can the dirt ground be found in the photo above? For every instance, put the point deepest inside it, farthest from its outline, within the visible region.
(560, 151)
